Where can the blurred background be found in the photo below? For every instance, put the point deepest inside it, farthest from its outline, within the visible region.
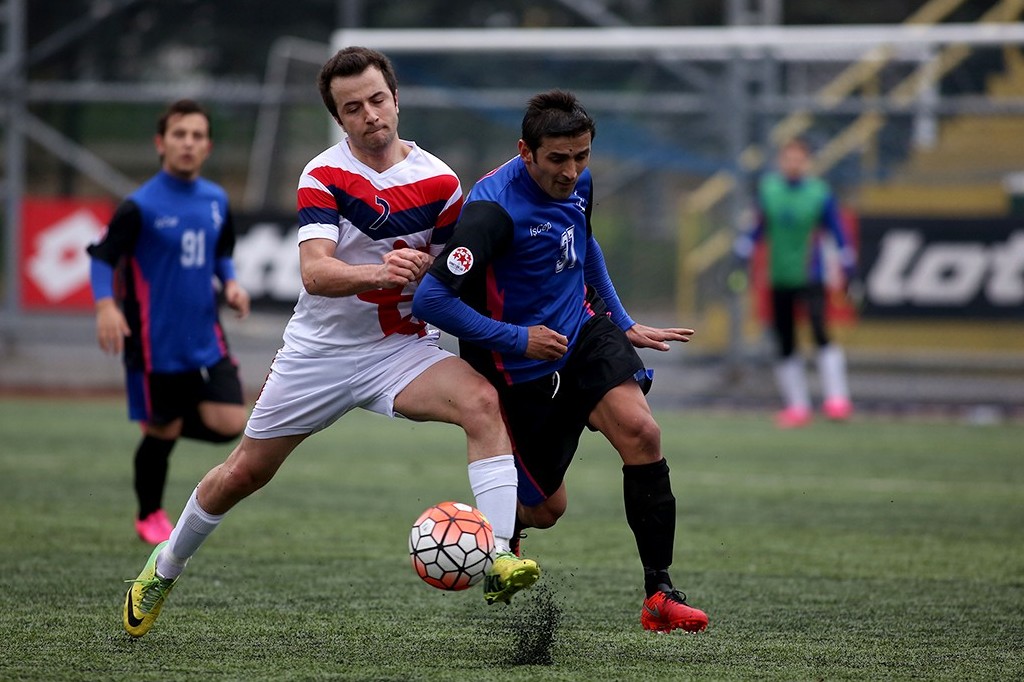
(915, 110)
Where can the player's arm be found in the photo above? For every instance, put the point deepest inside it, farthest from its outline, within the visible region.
(746, 240)
(118, 241)
(224, 267)
(436, 303)
(595, 271)
(325, 275)
(483, 230)
(444, 226)
(640, 335)
(833, 222)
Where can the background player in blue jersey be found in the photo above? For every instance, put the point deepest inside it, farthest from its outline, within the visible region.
(523, 284)
(796, 213)
(152, 280)
(374, 210)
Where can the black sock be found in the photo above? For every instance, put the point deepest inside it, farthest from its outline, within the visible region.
(651, 515)
(151, 473)
(656, 580)
(517, 530)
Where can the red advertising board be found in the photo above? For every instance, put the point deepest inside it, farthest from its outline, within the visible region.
(53, 265)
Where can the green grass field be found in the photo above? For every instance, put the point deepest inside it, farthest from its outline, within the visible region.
(872, 550)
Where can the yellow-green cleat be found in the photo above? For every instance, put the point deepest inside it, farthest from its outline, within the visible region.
(146, 597)
(508, 575)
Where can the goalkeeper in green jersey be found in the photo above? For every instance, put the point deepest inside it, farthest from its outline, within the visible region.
(797, 213)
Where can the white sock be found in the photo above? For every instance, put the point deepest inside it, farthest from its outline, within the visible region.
(832, 368)
(494, 482)
(193, 526)
(792, 382)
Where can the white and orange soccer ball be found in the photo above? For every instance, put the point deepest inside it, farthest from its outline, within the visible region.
(452, 546)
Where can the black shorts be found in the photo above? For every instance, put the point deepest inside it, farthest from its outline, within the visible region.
(160, 398)
(546, 416)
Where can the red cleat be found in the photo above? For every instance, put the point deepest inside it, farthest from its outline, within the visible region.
(667, 611)
(837, 409)
(155, 528)
(793, 418)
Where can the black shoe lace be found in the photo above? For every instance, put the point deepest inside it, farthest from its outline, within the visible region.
(675, 595)
(516, 540)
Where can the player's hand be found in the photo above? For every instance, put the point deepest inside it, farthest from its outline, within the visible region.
(238, 298)
(855, 291)
(111, 327)
(642, 336)
(401, 267)
(545, 344)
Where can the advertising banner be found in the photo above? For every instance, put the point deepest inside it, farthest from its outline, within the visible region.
(930, 268)
(267, 257)
(53, 265)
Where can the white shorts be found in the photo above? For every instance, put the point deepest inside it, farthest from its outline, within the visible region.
(306, 394)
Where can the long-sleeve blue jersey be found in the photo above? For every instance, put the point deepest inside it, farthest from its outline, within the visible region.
(518, 258)
(166, 242)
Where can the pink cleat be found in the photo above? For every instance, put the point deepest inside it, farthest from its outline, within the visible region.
(155, 528)
(837, 409)
(793, 418)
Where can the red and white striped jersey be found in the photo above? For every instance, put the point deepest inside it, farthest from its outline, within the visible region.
(413, 204)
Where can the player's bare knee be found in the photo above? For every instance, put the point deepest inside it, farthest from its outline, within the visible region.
(240, 480)
(479, 407)
(649, 437)
(231, 426)
(543, 515)
(641, 444)
(228, 421)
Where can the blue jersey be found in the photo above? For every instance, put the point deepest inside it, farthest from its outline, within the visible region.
(517, 256)
(167, 240)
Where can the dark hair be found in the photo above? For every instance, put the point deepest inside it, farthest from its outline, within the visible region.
(555, 113)
(800, 142)
(352, 61)
(182, 107)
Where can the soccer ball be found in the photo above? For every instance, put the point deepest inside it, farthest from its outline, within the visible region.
(451, 545)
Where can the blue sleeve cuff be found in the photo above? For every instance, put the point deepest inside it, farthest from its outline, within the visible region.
(225, 269)
(101, 276)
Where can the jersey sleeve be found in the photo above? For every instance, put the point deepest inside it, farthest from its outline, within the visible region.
(224, 265)
(833, 223)
(446, 220)
(318, 209)
(441, 307)
(596, 271)
(121, 235)
(483, 232)
(226, 239)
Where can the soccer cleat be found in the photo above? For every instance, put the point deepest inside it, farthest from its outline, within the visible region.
(508, 575)
(146, 597)
(793, 418)
(837, 409)
(155, 528)
(667, 610)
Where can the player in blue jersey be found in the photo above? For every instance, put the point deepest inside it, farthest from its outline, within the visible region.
(374, 210)
(152, 276)
(523, 284)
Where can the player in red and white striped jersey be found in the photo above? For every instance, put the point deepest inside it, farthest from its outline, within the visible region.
(373, 211)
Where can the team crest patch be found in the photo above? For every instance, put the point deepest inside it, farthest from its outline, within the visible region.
(460, 261)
